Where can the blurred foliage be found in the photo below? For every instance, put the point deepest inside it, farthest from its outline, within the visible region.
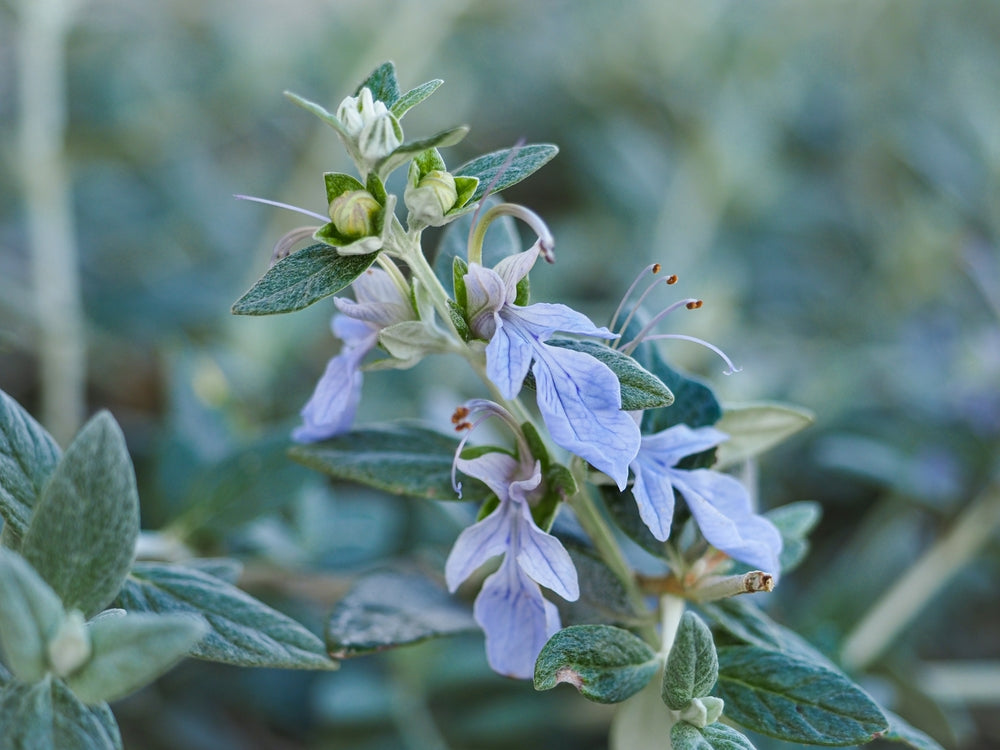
(825, 175)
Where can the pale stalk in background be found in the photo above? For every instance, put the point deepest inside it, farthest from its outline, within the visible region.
(44, 25)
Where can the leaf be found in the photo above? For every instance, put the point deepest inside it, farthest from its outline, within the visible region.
(786, 696)
(794, 521)
(603, 598)
(82, 536)
(400, 458)
(903, 732)
(321, 113)
(692, 665)
(525, 161)
(756, 428)
(338, 183)
(383, 84)
(684, 736)
(47, 716)
(30, 614)
(606, 664)
(389, 608)
(132, 651)
(28, 455)
(413, 97)
(640, 389)
(300, 279)
(242, 630)
(402, 154)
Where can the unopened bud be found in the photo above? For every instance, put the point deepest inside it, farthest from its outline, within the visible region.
(378, 138)
(431, 198)
(69, 648)
(354, 214)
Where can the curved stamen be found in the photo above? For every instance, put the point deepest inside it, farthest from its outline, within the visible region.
(656, 337)
(489, 409)
(283, 247)
(288, 206)
(545, 243)
(642, 298)
(653, 268)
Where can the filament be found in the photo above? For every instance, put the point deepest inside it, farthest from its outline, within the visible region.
(288, 206)
(653, 268)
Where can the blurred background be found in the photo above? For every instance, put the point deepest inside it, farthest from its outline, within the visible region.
(826, 176)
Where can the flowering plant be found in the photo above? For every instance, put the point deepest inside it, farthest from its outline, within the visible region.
(605, 452)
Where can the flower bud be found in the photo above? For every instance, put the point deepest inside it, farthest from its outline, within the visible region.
(431, 198)
(378, 138)
(69, 648)
(354, 214)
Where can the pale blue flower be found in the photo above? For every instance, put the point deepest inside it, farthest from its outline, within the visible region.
(510, 608)
(721, 506)
(379, 303)
(578, 396)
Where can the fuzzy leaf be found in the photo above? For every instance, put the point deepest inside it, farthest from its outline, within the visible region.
(338, 183)
(756, 428)
(525, 161)
(132, 651)
(692, 666)
(794, 699)
(28, 455)
(386, 609)
(684, 736)
(320, 112)
(300, 279)
(903, 732)
(606, 664)
(413, 97)
(383, 84)
(794, 521)
(403, 459)
(47, 716)
(242, 630)
(30, 614)
(82, 536)
(405, 152)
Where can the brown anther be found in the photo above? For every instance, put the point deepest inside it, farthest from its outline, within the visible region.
(656, 268)
(460, 413)
(672, 278)
(694, 305)
(463, 426)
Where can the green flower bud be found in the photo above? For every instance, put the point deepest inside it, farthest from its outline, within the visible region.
(354, 214)
(378, 138)
(69, 648)
(431, 198)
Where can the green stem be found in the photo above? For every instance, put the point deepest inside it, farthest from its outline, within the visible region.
(600, 534)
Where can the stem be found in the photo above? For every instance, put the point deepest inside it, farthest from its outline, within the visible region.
(600, 534)
(671, 611)
(62, 355)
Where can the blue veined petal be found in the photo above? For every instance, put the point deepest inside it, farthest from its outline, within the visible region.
(671, 445)
(378, 300)
(478, 543)
(515, 267)
(580, 400)
(516, 618)
(544, 559)
(497, 470)
(543, 319)
(721, 506)
(485, 295)
(508, 357)
(653, 493)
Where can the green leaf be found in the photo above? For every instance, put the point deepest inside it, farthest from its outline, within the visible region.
(389, 608)
(30, 614)
(82, 536)
(242, 630)
(786, 696)
(300, 279)
(338, 183)
(405, 152)
(132, 651)
(756, 428)
(28, 455)
(794, 522)
(400, 458)
(526, 160)
(684, 736)
(692, 666)
(606, 664)
(640, 389)
(383, 84)
(413, 97)
(603, 598)
(321, 113)
(47, 716)
(903, 732)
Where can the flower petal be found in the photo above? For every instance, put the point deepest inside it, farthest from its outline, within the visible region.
(653, 493)
(515, 267)
(544, 559)
(508, 357)
(543, 319)
(333, 404)
(485, 295)
(674, 443)
(721, 506)
(517, 620)
(496, 469)
(477, 544)
(580, 400)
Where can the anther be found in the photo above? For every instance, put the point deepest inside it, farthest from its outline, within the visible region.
(672, 278)
(460, 414)
(463, 426)
(694, 305)
(656, 269)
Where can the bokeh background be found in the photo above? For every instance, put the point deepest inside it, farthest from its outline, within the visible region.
(825, 175)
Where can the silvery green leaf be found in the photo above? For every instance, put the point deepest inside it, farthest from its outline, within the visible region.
(132, 651)
(28, 455)
(756, 428)
(507, 166)
(692, 665)
(47, 716)
(82, 536)
(243, 630)
(383, 84)
(413, 97)
(30, 614)
(405, 152)
(321, 113)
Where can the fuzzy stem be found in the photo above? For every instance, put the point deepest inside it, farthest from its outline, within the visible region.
(671, 611)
